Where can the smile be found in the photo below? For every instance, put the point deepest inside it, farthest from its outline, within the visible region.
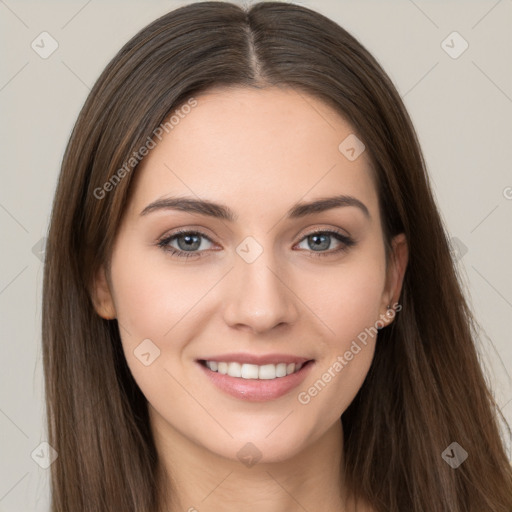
(253, 382)
(253, 371)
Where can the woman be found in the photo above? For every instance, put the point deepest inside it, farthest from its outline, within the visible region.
(249, 298)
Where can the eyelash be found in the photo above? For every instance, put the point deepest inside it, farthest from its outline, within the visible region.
(346, 243)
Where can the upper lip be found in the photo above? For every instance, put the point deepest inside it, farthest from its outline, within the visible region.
(258, 359)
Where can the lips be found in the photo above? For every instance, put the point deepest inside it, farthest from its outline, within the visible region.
(256, 389)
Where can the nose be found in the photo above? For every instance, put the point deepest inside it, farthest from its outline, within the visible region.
(259, 297)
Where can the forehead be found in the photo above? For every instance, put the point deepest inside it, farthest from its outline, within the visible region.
(253, 148)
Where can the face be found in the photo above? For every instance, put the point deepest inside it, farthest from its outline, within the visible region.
(244, 272)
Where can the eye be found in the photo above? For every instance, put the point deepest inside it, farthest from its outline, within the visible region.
(185, 243)
(321, 242)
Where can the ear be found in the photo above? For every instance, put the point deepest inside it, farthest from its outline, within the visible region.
(394, 276)
(101, 295)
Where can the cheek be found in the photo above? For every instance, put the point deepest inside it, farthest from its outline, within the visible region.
(155, 310)
(348, 302)
(166, 303)
(348, 298)
(152, 296)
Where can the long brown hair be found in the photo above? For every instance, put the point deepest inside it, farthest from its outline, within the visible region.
(425, 388)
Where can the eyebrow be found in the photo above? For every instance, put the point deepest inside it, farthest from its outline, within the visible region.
(220, 211)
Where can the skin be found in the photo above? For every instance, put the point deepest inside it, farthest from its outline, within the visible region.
(258, 151)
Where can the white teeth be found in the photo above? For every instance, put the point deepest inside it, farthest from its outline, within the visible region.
(267, 371)
(253, 371)
(234, 369)
(281, 370)
(249, 371)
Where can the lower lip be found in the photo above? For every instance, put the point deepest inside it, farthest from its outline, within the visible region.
(256, 390)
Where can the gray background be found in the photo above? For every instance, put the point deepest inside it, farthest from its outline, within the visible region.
(461, 108)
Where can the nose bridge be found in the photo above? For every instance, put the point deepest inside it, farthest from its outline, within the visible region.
(258, 296)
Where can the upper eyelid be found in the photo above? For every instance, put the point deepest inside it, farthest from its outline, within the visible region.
(338, 231)
(186, 231)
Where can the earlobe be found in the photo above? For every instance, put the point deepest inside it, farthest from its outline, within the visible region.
(101, 296)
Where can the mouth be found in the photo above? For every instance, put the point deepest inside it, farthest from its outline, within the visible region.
(253, 371)
(256, 382)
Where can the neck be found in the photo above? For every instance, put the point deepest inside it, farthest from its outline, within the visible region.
(199, 480)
